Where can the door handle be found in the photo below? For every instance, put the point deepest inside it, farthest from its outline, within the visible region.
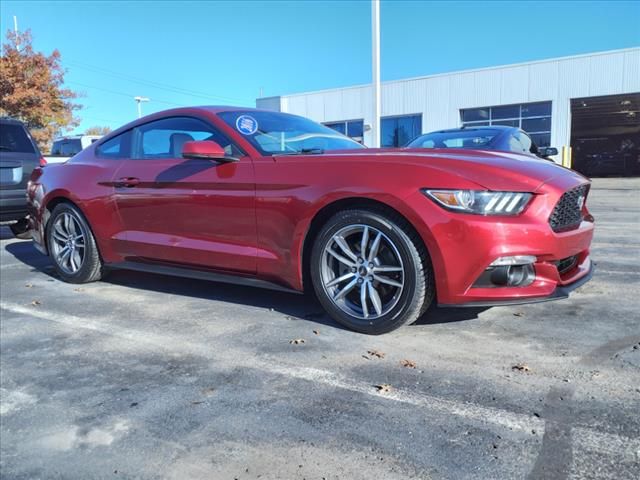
(126, 182)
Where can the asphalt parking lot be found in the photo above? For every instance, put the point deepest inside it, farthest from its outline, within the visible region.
(143, 376)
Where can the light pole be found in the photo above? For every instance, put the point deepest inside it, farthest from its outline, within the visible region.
(375, 50)
(139, 101)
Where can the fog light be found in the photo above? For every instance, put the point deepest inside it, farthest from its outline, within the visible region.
(515, 260)
(511, 273)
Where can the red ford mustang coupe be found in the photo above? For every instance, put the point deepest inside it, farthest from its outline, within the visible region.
(275, 200)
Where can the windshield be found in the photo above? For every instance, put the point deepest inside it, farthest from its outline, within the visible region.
(476, 138)
(275, 133)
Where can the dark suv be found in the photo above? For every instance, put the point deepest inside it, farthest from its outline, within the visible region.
(19, 155)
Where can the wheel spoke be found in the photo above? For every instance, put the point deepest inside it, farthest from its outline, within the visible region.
(58, 236)
(77, 260)
(340, 258)
(58, 227)
(375, 246)
(341, 279)
(388, 281)
(346, 290)
(72, 262)
(363, 299)
(63, 252)
(65, 256)
(387, 269)
(375, 298)
(67, 220)
(344, 246)
(73, 227)
(364, 242)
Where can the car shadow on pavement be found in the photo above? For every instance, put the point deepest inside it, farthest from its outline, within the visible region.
(291, 305)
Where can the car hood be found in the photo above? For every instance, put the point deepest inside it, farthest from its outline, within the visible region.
(493, 170)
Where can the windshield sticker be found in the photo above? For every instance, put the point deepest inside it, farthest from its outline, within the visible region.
(247, 125)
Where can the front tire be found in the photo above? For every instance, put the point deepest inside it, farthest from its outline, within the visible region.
(72, 246)
(370, 271)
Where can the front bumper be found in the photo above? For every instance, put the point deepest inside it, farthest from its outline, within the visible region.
(561, 292)
(463, 246)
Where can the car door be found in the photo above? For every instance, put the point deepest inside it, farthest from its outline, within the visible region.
(194, 212)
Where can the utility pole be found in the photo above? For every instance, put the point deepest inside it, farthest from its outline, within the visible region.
(139, 101)
(375, 50)
(15, 30)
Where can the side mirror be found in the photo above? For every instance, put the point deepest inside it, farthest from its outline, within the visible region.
(547, 151)
(205, 149)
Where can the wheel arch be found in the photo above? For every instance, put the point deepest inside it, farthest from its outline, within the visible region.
(48, 209)
(326, 212)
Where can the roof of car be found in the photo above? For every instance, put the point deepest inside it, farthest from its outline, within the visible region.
(11, 120)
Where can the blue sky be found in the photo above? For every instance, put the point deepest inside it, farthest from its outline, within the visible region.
(194, 53)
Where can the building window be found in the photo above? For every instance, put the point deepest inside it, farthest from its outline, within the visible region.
(398, 131)
(351, 128)
(533, 118)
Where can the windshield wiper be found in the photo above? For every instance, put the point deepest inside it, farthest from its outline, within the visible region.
(304, 151)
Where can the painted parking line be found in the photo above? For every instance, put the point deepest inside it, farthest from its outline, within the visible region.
(588, 439)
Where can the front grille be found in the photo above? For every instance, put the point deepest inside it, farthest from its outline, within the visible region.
(567, 213)
(566, 264)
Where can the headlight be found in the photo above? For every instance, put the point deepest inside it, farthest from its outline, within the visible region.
(480, 202)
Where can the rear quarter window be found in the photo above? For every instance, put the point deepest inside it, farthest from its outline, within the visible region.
(14, 138)
(116, 147)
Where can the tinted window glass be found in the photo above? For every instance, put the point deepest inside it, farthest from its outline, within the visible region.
(13, 138)
(508, 123)
(165, 138)
(280, 133)
(536, 124)
(338, 127)
(399, 131)
(526, 142)
(476, 138)
(117, 147)
(536, 109)
(510, 111)
(70, 147)
(541, 139)
(56, 149)
(475, 114)
(515, 145)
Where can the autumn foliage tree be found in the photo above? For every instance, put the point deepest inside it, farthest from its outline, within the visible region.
(32, 89)
(97, 130)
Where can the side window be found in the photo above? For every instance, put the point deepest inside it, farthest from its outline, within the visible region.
(528, 144)
(515, 145)
(117, 147)
(165, 138)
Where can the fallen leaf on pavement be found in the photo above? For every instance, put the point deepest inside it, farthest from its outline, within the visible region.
(316, 332)
(521, 367)
(408, 363)
(296, 341)
(383, 388)
(208, 390)
(28, 285)
(375, 353)
(78, 289)
(35, 303)
(518, 314)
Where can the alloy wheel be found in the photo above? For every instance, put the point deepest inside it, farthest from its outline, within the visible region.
(68, 243)
(362, 272)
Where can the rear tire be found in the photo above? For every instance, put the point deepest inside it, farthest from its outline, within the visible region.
(380, 262)
(72, 246)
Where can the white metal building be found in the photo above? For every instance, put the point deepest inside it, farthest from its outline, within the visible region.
(589, 102)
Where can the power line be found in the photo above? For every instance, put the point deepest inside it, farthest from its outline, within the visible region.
(128, 95)
(160, 86)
